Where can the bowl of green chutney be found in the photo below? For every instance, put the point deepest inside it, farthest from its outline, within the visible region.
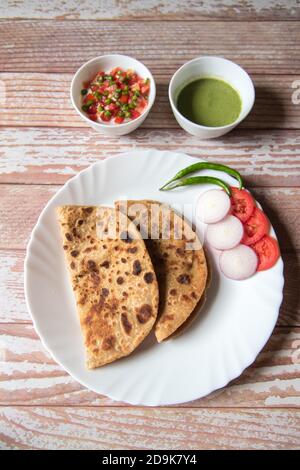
(210, 96)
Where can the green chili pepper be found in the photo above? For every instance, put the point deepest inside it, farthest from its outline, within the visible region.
(84, 91)
(107, 101)
(107, 113)
(206, 166)
(199, 180)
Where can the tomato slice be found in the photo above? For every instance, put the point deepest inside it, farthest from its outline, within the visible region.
(255, 227)
(105, 117)
(124, 99)
(134, 114)
(93, 117)
(242, 204)
(92, 109)
(267, 250)
(145, 89)
(119, 119)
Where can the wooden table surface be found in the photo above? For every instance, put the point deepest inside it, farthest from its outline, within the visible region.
(43, 143)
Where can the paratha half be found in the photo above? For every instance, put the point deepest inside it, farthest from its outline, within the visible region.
(178, 260)
(112, 278)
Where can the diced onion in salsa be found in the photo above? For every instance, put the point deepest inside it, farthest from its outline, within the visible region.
(118, 96)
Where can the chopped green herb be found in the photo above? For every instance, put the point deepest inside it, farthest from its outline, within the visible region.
(89, 102)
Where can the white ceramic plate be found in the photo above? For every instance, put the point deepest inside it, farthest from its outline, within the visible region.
(237, 319)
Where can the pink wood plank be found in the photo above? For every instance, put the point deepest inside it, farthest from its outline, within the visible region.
(62, 46)
(136, 428)
(29, 375)
(53, 155)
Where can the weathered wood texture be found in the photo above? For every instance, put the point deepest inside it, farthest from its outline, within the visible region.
(29, 375)
(136, 428)
(22, 204)
(53, 155)
(13, 308)
(40, 99)
(207, 10)
(55, 46)
(43, 142)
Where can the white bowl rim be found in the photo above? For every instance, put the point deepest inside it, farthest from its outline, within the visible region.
(101, 57)
(199, 126)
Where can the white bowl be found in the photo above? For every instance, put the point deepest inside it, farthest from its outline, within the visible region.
(107, 63)
(216, 67)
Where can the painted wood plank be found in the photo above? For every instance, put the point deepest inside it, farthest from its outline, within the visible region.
(153, 9)
(62, 46)
(135, 428)
(13, 308)
(29, 375)
(53, 155)
(40, 99)
(22, 204)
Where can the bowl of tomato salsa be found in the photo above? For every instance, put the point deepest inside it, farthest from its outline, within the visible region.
(113, 93)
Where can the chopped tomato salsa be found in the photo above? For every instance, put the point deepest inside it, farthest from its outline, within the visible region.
(118, 96)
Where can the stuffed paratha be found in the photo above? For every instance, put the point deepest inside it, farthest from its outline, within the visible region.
(178, 260)
(113, 281)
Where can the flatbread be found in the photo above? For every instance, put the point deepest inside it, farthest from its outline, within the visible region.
(178, 259)
(199, 307)
(113, 281)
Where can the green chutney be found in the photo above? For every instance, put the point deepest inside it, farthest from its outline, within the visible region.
(209, 102)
